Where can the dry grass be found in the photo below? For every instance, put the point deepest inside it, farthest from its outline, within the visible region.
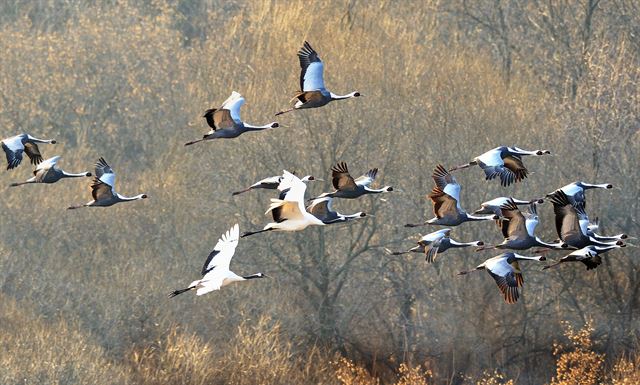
(257, 353)
(42, 351)
(129, 80)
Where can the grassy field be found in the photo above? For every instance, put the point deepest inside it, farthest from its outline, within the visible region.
(83, 293)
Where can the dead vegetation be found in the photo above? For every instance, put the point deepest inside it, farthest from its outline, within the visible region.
(442, 82)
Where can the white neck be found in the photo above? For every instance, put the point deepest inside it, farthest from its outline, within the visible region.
(124, 198)
(354, 216)
(557, 245)
(536, 258)
(520, 151)
(616, 237)
(36, 140)
(338, 97)
(480, 218)
(605, 248)
(376, 191)
(462, 244)
(251, 127)
(590, 185)
(72, 175)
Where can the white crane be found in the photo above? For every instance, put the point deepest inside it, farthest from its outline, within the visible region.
(215, 272)
(289, 213)
(271, 183)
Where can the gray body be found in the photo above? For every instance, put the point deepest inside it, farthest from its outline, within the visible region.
(15, 146)
(569, 217)
(349, 188)
(321, 209)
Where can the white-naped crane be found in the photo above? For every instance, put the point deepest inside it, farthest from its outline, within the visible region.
(593, 227)
(503, 162)
(215, 272)
(505, 270)
(445, 198)
(493, 206)
(349, 188)
(15, 146)
(48, 172)
(225, 121)
(321, 209)
(576, 191)
(589, 255)
(288, 212)
(436, 243)
(312, 92)
(271, 183)
(518, 229)
(572, 222)
(102, 188)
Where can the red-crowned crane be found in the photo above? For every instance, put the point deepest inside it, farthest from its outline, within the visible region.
(289, 213)
(215, 272)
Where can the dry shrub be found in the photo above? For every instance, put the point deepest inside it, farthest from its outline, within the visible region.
(626, 371)
(349, 373)
(177, 359)
(495, 378)
(577, 363)
(432, 94)
(262, 354)
(36, 351)
(413, 375)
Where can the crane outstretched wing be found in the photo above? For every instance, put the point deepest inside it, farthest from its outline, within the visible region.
(311, 75)
(223, 251)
